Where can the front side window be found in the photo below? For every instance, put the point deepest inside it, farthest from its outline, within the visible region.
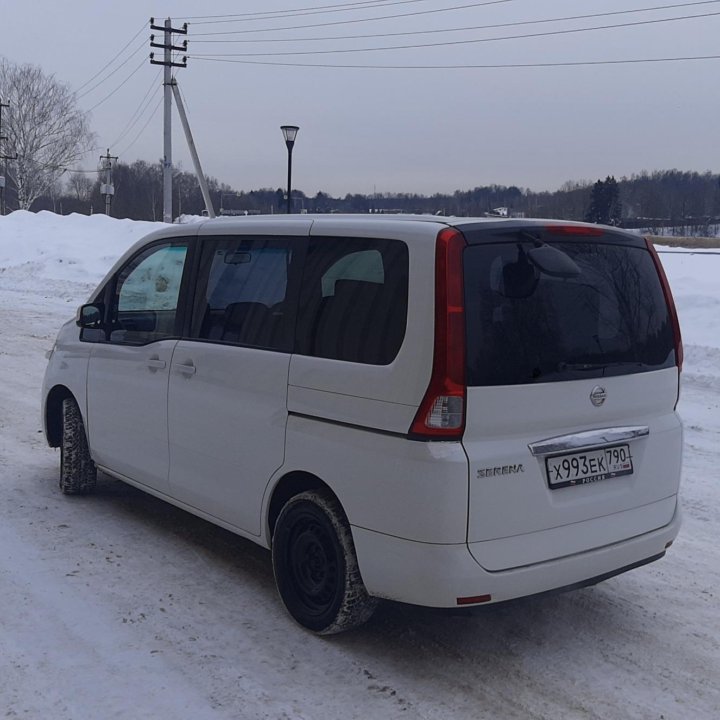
(147, 290)
(562, 310)
(243, 290)
(353, 300)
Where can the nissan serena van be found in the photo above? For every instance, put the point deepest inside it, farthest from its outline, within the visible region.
(439, 411)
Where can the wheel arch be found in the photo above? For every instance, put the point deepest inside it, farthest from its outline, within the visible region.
(53, 413)
(289, 485)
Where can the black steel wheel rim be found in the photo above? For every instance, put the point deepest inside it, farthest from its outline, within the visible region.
(313, 563)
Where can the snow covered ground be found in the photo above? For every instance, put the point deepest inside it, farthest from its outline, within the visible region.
(116, 605)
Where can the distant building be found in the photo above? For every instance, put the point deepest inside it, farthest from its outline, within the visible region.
(504, 212)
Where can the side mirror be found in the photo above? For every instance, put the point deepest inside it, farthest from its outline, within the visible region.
(90, 315)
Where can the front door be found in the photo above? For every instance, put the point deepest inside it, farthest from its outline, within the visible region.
(128, 373)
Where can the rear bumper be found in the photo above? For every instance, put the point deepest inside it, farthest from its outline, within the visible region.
(537, 547)
(437, 575)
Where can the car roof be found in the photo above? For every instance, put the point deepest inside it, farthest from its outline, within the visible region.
(361, 220)
(415, 228)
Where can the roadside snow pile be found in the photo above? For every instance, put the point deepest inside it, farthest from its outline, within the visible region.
(80, 248)
(57, 260)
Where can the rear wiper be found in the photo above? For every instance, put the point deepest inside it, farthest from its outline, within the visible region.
(598, 366)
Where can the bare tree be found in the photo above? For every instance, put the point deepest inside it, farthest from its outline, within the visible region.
(44, 128)
(81, 186)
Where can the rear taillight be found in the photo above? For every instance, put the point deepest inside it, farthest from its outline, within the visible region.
(441, 414)
(670, 303)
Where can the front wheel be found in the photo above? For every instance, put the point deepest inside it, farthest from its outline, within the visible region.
(78, 473)
(315, 567)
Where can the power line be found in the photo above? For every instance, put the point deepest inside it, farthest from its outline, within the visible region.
(494, 26)
(112, 60)
(77, 170)
(142, 129)
(110, 94)
(358, 20)
(54, 166)
(496, 66)
(342, 7)
(142, 106)
(460, 42)
(109, 75)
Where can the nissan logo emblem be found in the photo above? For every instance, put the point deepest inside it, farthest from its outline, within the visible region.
(597, 396)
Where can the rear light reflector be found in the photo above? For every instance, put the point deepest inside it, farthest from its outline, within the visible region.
(670, 303)
(474, 599)
(441, 415)
(446, 412)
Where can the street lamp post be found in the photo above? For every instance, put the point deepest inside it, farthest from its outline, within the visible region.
(289, 132)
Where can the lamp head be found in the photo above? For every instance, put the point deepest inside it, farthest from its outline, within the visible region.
(289, 133)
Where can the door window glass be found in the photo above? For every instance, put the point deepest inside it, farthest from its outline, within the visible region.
(146, 295)
(242, 293)
(353, 300)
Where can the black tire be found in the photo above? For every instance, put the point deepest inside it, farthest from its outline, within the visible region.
(78, 473)
(316, 570)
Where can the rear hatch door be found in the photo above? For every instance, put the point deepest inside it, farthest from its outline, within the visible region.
(571, 433)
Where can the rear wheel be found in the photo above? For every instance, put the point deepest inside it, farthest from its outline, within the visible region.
(78, 473)
(316, 570)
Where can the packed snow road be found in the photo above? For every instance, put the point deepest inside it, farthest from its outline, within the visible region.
(117, 605)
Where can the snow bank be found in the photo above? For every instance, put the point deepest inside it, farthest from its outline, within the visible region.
(66, 247)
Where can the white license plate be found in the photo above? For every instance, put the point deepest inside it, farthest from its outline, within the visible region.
(588, 466)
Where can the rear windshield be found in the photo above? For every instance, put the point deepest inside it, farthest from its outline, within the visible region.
(566, 309)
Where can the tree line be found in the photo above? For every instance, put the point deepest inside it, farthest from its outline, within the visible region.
(45, 134)
(689, 201)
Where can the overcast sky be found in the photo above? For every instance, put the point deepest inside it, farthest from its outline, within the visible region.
(394, 130)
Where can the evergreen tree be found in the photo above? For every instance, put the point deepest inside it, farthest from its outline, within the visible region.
(605, 206)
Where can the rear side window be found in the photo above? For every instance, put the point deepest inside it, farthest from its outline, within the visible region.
(562, 310)
(242, 293)
(353, 300)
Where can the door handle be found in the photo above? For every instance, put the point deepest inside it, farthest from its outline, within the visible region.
(155, 363)
(186, 368)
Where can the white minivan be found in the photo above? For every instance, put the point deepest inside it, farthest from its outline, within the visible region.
(439, 411)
